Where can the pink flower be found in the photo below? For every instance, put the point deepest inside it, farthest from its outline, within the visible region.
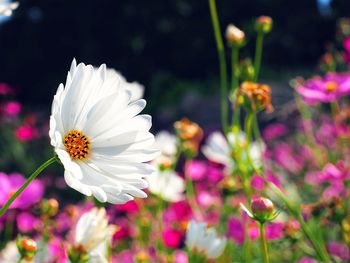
(26, 222)
(12, 108)
(26, 133)
(274, 231)
(57, 250)
(332, 175)
(287, 159)
(236, 230)
(214, 174)
(327, 89)
(274, 131)
(306, 260)
(196, 170)
(5, 89)
(180, 256)
(346, 44)
(172, 238)
(177, 212)
(339, 250)
(130, 207)
(9, 185)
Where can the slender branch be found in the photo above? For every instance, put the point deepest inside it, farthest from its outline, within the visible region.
(222, 62)
(26, 183)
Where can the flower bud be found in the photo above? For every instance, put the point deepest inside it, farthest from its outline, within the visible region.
(190, 135)
(26, 247)
(78, 253)
(263, 24)
(258, 96)
(234, 35)
(263, 209)
(50, 207)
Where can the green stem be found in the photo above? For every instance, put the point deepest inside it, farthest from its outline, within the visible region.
(247, 246)
(258, 55)
(249, 125)
(26, 183)
(235, 69)
(223, 66)
(295, 211)
(264, 243)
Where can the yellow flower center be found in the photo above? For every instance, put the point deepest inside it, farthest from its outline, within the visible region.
(77, 145)
(331, 86)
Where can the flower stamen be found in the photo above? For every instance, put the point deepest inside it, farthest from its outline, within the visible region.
(77, 144)
(331, 86)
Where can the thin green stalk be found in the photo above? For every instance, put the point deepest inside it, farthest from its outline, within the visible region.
(258, 54)
(247, 246)
(264, 243)
(222, 62)
(234, 68)
(26, 183)
(319, 247)
(249, 126)
(190, 192)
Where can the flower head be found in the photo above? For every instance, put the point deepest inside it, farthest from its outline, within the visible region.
(190, 134)
(99, 137)
(234, 35)
(92, 236)
(204, 241)
(324, 89)
(259, 96)
(167, 184)
(263, 24)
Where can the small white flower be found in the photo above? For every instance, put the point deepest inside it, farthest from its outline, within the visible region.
(219, 149)
(204, 240)
(94, 234)
(167, 184)
(166, 143)
(135, 88)
(6, 7)
(99, 137)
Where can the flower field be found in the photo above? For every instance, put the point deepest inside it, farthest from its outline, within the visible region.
(94, 181)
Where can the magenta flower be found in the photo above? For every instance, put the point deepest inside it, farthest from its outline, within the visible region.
(333, 176)
(327, 89)
(5, 89)
(26, 133)
(196, 170)
(339, 250)
(9, 185)
(172, 238)
(274, 131)
(26, 222)
(274, 230)
(130, 208)
(12, 109)
(306, 260)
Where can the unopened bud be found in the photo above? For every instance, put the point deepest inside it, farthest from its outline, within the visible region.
(50, 207)
(263, 24)
(263, 209)
(26, 247)
(234, 35)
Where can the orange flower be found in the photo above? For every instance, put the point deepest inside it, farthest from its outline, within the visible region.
(258, 94)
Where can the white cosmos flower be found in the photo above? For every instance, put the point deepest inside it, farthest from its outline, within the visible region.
(167, 184)
(6, 7)
(166, 143)
(219, 149)
(135, 88)
(99, 137)
(94, 235)
(204, 240)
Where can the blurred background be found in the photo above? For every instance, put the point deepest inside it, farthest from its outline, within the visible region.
(168, 46)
